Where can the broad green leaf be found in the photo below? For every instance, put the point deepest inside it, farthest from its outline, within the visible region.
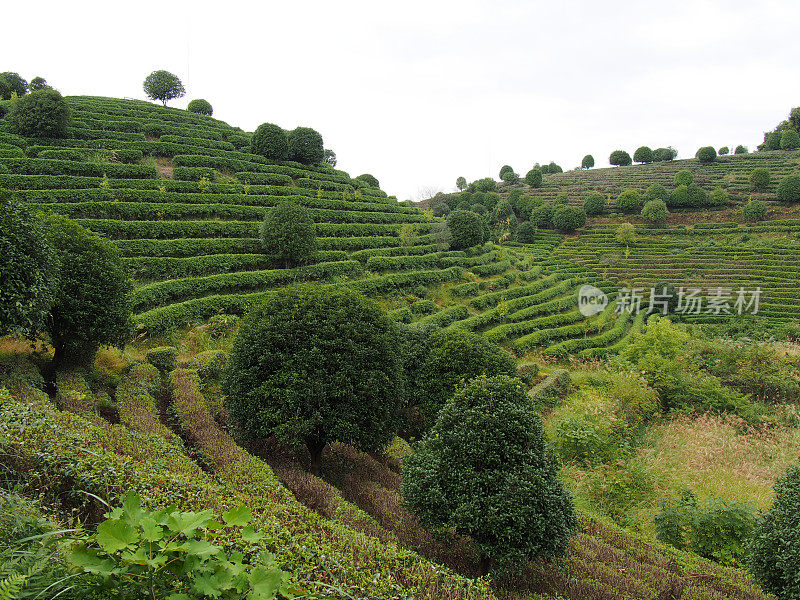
(206, 584)
(238, 516)
(132, 507)
(115, 535)
(188, 522)
(151, 531)
(201, 548)
(265, 583)
(251, 536)
(179, 597)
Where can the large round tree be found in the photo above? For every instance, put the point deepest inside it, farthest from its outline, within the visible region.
(288, 234)
(28, 271)
(271, 141)
(92, 306)
(484, 471)
(43, 113)
(10, 84)
(163, 86)
(466, 229)
(314, 365)
(306, 146)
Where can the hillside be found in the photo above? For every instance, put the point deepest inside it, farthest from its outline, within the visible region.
(183, 198)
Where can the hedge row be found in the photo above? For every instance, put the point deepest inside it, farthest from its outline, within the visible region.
(573, 346)
(400, 281)
(580, 329)
(137, 405)
(445, 317)
(494, 298)
(491, 268)
(188, 247)
(555, 386)
(604, 351)
(41, 166)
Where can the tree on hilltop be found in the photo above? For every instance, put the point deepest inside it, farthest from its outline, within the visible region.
(163, 86)
(587, 162)
(619, 158)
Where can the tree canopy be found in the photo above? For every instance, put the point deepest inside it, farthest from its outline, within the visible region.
(163, 86)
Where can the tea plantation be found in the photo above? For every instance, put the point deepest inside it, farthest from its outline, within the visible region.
(183, 196)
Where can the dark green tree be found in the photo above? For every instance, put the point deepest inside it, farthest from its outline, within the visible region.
(526, 232)
(466, 229)
(789, 188)
(740, 149)
(43, 113)
(288, 233)
(790, 140)
(619, 158)
(542, 216)
(655, 211)
(754, 210)
(315, 365)
(587, 162)
(28, 271)
(683, 177)
(628, 201)
(92, 305)
(759, 178)
(484, 471)
(706, 154)
(12, 83)
(370, 180)
(664, 154)
(270, 141)
(503, 210)
(643, 155)
(38, 83)
(568, 218)
(329, 157)
(505, 169)
(775, 546)
(306, 146)
(200, 107)
(163, 86)
(724, 151)
(487, 184)
(534, 178)
(594, 205)
(656, 192)
(461, 184)
(772, 140)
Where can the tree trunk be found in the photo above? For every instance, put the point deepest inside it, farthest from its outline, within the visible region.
(315, 447)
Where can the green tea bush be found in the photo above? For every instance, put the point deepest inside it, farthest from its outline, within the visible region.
(790, 140)
(772, 140)
(655, 211)
(526, 232)
(163, 358)
(594, 205)
(625, 234)
(503, 210)
(484, 471)
(665, 154)
(568, 218)
(754, 210)
(270, 141)
(789, 189)
(314, 365)
(41, 114)
(724, 151)
(656, 192)
(740, 149)
(714, 529)
(683, 177)
(370, 180)
(587, 162)
(487, 184)
(289, 234)
(200, 107)
(759, 178)
(629, 201)
(619, 158)
(534, 178)
(706, 154)
(775, 545)
(719, 197)
(643, 155)
(466, 229)
(12, 83)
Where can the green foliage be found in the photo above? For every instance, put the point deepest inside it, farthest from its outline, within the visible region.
(38, 83)
(164, 358)
(200, 107)
(724, 151)
(706, 154)
(526, 232)
(28, 271)
(628, 201)
(270, 141)
(42, 114)
(487, 184)
(370, 180)
(772, 140)
(289, 234)
(454, 356)
(163, 86)
(789, 188)
(92, 305)
(619, 158)
(534, 178)
(305, 146)
(568, 218)
(508, 175)
(314, 365)
(683, 177)
(10, 84)
(587, 162)
(714, 529)
(503, 210)
(461, 184)
(790, 140)
(754, 210)
(594, 205)
(664, 154)
(617, 488)
(760, 178)
(484, 471)
(718, 197)
(655, 211)
(180, 555)
(542, 216)
(656, 192)
(690, 195)
(740, 149)
(775, 546)
(643, 155)
(466, 229)
(329, 157)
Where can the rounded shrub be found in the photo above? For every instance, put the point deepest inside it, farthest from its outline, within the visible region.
(775, 546)
(478, 209)
(625, 234)
(754, 210)
(789, 189)
(542, 216)
(503, 210)
(552, 167)
(643, 155)
(370, 180)
(43, 113)
(740, 149)
(270, 141)
(314, 365)
(92, 305)
(594, 205)
(288, 233)
(526, 232)
(655, 211)
(507, 174)
(163, 86)
(772, 140)
(201, 107)
(724, 150)
(487, 184)
(683, 177)
(484, 471)
(629, 201)
(706, 154)
(466, 229)
(656, 192)
(38, 83)
(759, 178)
(587, 162)
(790, 140)
(619, 158)
(306, 146)
(717, 197)
(28, 270)
(568, 218)
(688, 196)
(534, 178)
(461, 184)
(12, 83)
(665, 154)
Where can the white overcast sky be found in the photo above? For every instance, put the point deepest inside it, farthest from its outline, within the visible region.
(420, 92)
